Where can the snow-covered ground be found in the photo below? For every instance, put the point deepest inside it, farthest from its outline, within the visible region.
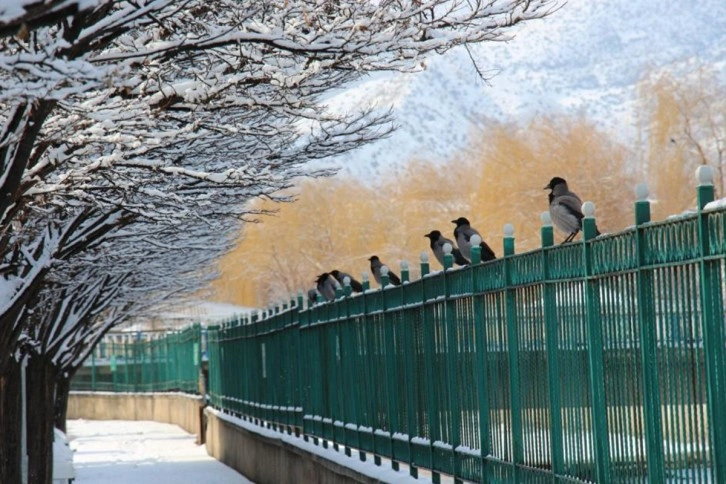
(142, 452)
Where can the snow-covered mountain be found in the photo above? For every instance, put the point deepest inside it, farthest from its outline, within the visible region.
(585, 58)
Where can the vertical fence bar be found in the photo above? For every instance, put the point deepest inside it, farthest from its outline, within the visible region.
(713, 330)
(513, 351)
(648, 345)
(600, 444)
(549, 302)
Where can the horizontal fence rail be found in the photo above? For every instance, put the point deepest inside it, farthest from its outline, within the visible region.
(144, 362)
(599, 361)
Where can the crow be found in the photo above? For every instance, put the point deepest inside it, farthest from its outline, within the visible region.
(326, 285)
(565, 208)
(340, 277)
(437, 247)
(376, 265)
(463, 233)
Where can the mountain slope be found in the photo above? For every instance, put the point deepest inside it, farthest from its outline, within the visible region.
(586, 58)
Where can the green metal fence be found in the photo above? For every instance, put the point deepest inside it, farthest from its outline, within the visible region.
(598, 361)
(143, 362)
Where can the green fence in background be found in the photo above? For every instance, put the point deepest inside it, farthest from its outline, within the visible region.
(599, 361)
(144, 362)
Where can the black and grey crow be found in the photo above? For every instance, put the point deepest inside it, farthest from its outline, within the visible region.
(376, 265)
(326, 285)
(312, 296)
(437, 247)
(340, 277)
(463, 233)
(565, 208)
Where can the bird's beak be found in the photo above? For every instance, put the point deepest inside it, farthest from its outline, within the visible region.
(453, 221)
(548, 187)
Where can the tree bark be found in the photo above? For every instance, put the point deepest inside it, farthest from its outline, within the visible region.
(62, 389)
(40, 389)
(10, 423)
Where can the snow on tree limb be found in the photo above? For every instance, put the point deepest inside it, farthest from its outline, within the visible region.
(140, 128)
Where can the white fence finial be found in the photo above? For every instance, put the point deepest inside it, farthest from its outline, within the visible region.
(641, 192)
(704, 175)
(588, 209)
(546, 219)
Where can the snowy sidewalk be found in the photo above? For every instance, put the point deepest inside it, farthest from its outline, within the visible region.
(142, 452)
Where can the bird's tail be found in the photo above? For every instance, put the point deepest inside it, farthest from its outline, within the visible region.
(459, 259)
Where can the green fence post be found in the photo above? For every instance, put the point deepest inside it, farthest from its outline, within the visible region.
(365, 281)
(552, 349)
(451, 363)
(336, 403)
(713, 329)
(648, 344)
(391, 369)
(429, 359)
(144, 369)
(513, 350)
(93, 371)
(410, 371)
(346, 354)
(295, 371)
(114, 370)
(600, 443)
(482, 346)
(126, 364)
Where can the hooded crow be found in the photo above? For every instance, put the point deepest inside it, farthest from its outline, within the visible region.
(340, 277)
(312, 296)
(463, 233)
(376, 265)
(437, 247)
(565, 208)
(326, 285)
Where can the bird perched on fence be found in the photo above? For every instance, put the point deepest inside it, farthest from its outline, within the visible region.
(463, 233)
(376, 265)
(326, 286)
(437, 247)
(565, 208)
(312, 296)
(340, 277)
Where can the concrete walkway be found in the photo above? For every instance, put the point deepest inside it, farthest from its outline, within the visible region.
(141, 452)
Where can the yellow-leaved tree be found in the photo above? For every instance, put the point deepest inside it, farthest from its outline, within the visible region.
(516, 162)
(338, 223)
(683, 125)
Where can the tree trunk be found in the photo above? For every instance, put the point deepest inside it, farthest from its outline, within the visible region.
(10, 423)
(40, 389)
(62, 389)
